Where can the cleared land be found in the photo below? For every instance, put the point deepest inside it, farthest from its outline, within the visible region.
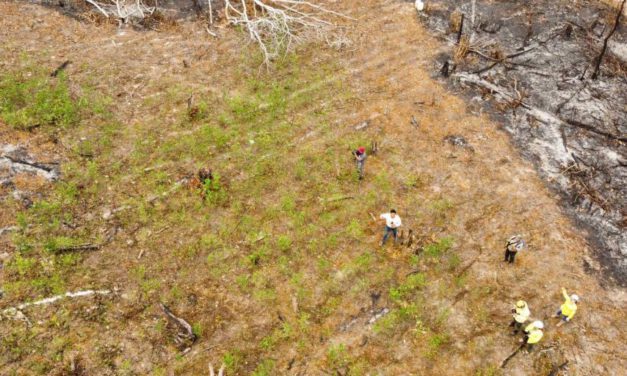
(278, 269)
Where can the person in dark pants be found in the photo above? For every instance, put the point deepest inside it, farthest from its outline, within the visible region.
(514, 244)
(520, 315)
(392, 223)
(533, 334)
(360, 158)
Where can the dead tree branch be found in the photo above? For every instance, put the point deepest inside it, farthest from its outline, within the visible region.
(123, 10)
(277, 26)
(512, 355)
(539, 114)
(9, 229)
(13, 311)
(599, 59)
(78, 248)
(61, 68)
(592, 129)
(185, 333)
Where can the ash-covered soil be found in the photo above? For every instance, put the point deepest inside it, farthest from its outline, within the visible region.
(532, 63)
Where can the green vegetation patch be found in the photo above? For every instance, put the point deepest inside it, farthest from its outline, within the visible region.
(33, 99)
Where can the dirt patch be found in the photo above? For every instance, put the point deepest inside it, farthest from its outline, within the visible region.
(532, 64)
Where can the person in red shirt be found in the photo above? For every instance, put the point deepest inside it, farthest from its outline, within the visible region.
(360, 158)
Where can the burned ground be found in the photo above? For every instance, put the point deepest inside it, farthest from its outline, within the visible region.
(532, 63)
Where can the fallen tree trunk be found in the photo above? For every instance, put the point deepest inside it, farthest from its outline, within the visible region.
(543, 116)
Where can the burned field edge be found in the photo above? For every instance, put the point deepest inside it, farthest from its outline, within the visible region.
(569, 124)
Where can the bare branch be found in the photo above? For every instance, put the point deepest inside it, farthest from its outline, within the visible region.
(15, 311)
(277, 26)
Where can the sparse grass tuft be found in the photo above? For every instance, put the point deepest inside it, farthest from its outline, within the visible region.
(435, 342)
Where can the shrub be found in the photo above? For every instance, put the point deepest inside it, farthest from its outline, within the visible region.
(232, 360)
(284, 243)
(439, 248)
(213, 191)
(337, 356)
(30, 102)
(413, 282)
(436, 341)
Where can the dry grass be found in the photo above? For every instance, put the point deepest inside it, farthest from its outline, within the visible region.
(462, 48)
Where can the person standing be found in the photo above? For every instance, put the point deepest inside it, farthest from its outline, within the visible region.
(521, 314)
(514, 245)
(533, 334)
(568, 309)
(360, 158)
(392, 223)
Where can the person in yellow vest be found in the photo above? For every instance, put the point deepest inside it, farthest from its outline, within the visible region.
(568, 309)
(521, 314)
(533, 334)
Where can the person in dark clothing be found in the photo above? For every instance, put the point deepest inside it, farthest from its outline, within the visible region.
(514, 244)
(360, 158)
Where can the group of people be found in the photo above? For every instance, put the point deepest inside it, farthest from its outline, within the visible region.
(533, 331)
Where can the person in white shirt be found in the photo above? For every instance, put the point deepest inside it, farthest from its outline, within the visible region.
(392, 223)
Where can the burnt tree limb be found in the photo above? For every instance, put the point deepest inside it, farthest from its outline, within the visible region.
(599, 59)
(461, 29)
(60, 69)
(185, 333)
(543, 116)
(78, 248)
(592, 129)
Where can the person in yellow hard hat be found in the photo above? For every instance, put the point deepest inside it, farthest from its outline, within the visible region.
(521, 314)
(533, 334)
(568, 309)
